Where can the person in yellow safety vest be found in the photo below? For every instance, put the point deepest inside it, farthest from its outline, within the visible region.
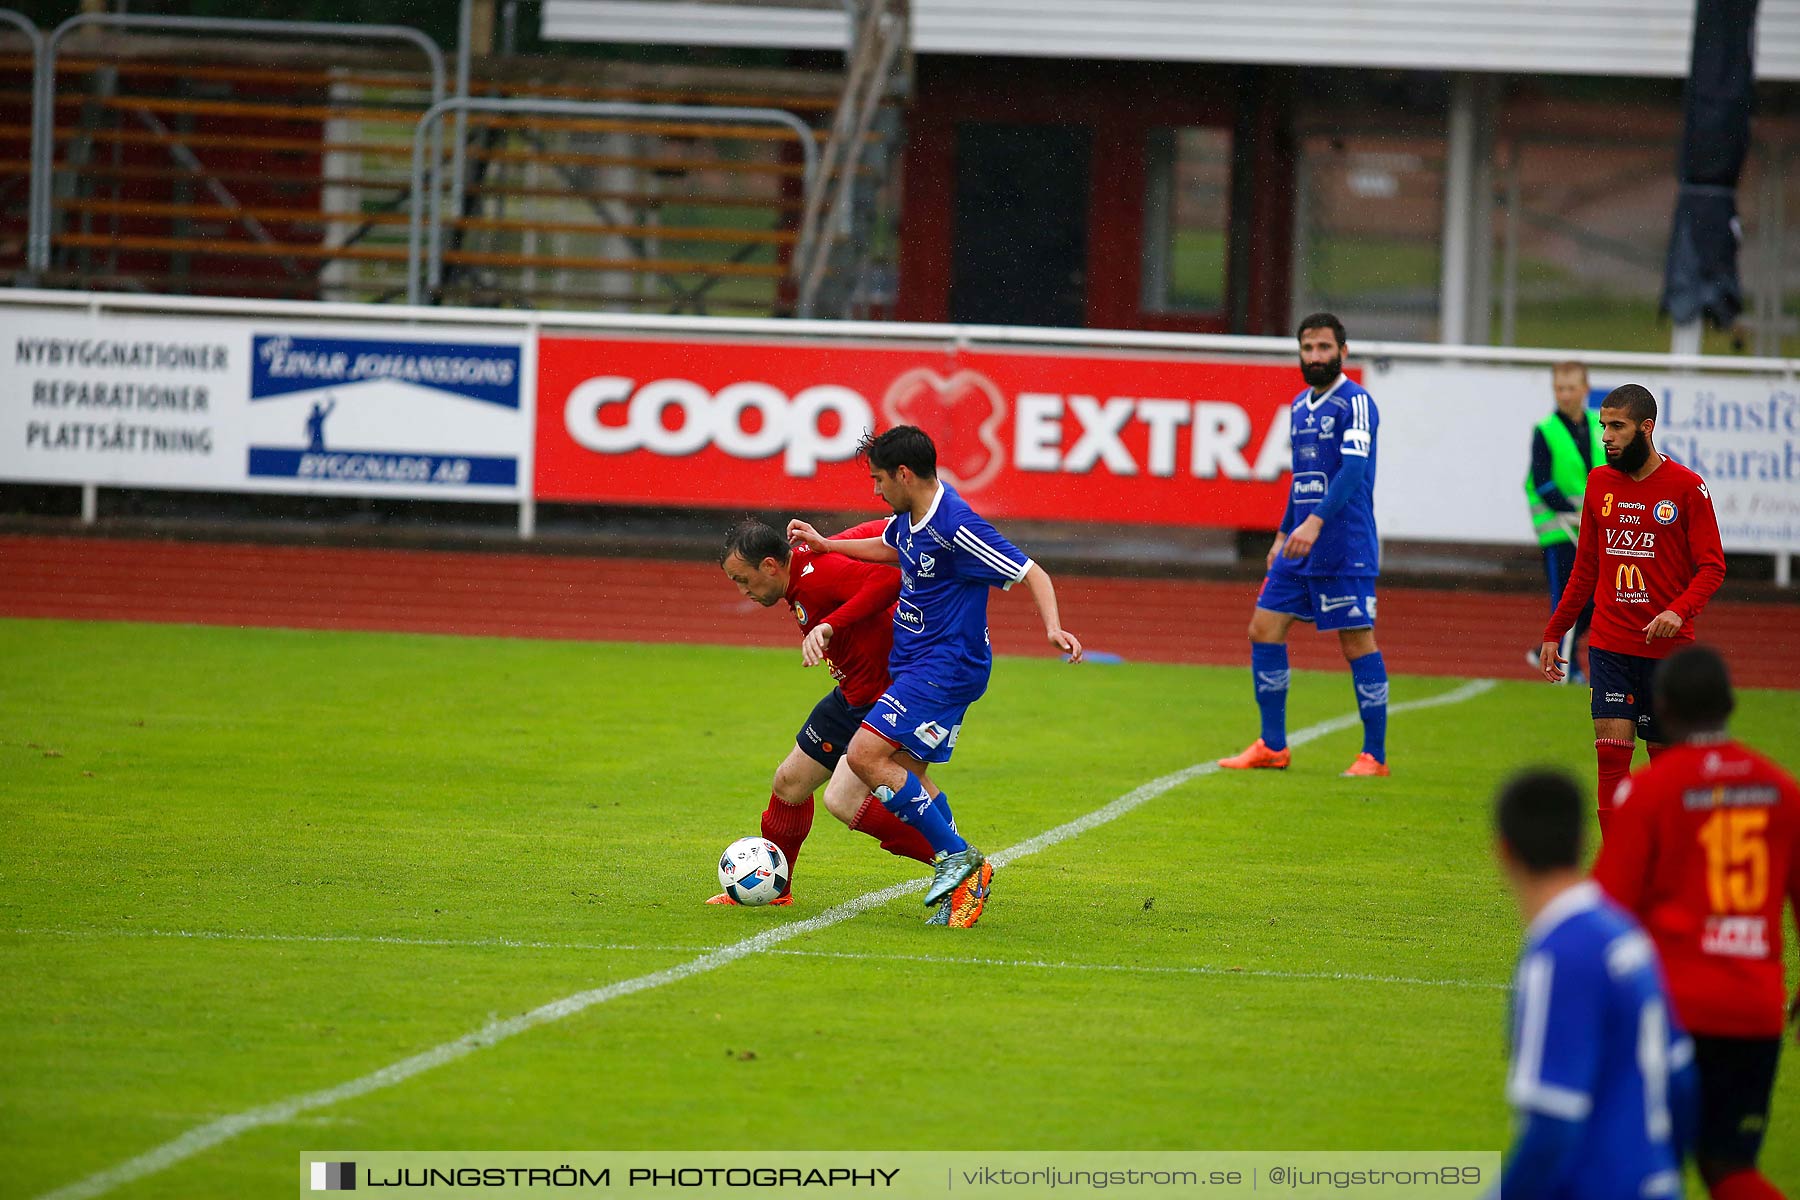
(1565, 446)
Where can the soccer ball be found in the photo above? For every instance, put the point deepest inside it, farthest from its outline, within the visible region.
(753, 871)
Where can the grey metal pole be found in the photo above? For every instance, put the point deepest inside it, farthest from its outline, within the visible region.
(1459, 192)
(1300, 269)
(465, 30)
(1509, 275)
(36, 37)
(432, 117)
(43, 150)
(1479, 321)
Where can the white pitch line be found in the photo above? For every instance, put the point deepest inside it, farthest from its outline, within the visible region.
(848, 955)
(204, 1137)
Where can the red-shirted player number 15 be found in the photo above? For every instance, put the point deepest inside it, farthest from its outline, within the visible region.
(1737, 859)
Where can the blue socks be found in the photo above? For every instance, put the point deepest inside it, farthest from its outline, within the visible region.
(1369, 674)
(1269, 672)
(914, 805)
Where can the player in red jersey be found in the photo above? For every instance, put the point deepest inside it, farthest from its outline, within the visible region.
(846, 610)
(1649, 558)
(1703, 851)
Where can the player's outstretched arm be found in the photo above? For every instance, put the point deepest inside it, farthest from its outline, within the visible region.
(874, 550)
(1043, 594)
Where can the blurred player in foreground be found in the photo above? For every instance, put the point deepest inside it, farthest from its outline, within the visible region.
(1565, 446)
(1326, 555)
(1649, 559)
(845, 610)
(1702, 850)
(949, 558)
(1601, 1074)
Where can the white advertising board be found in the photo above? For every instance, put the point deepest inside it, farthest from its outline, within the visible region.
(1455, 444)
(211, 403)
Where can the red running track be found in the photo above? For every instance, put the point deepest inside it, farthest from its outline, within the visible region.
(1434, 632)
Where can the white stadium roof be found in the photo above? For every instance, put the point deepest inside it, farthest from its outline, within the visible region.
(1647, 38)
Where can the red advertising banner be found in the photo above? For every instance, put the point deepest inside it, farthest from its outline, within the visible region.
(1044, 435)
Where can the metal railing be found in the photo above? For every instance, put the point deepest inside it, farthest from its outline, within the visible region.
(43, 132)
(432, 119)
(35, 36)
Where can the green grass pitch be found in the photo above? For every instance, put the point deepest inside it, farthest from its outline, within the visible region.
(244, 865)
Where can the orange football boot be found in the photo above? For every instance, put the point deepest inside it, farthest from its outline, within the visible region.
(1258, 757)
(970, 897)
(1365, 766)
(777, 902)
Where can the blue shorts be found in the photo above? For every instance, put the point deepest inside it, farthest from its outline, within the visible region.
(1329, 601)
(829, 728)
(918, 717)
(1622, 690)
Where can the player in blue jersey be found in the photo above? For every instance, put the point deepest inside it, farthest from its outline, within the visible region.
(1602, 1077)
(949, 559)
(1326, 555)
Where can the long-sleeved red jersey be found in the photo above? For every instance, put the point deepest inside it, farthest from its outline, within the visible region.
(1646, 546)
(857, 600)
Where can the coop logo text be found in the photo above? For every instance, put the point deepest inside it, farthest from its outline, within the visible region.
(966, 415)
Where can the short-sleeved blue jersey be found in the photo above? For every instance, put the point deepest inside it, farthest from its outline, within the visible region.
(1325, 430)
(948, 562)
(1594, 1042)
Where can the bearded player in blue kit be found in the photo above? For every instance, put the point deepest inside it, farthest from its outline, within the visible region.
(949, 559)
(1326, 555)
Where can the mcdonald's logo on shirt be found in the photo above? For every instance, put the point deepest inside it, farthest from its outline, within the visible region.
(1629, 585)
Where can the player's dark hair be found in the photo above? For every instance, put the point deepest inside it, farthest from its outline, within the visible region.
(1541, 817)
(1635, 399)
(1693, 690)
(753, 541)
(902, 446)
(1322, 320)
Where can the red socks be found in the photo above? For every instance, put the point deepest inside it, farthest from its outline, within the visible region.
(1614, 756)
(787, 826)
(1749, 1184)
(895, 835)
